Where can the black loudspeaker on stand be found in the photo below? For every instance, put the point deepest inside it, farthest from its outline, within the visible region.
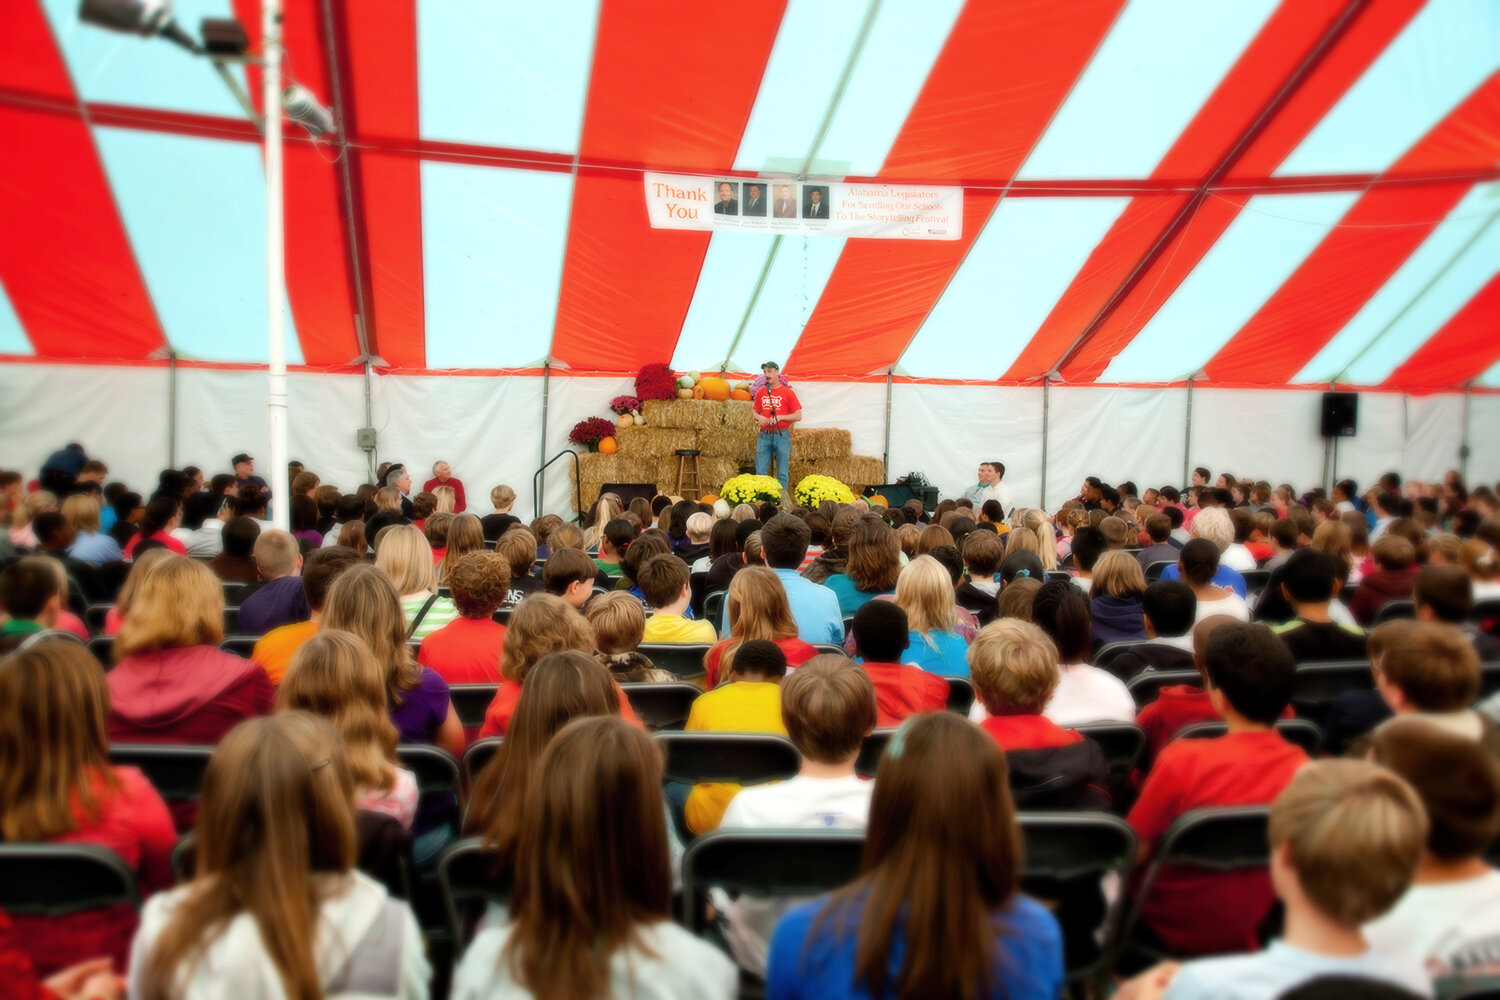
(629, 491)
(1340, 414)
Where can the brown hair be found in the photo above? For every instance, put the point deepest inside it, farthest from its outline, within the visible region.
(757, 608)
(908, 535)
(828, 706)
(1353, 832)
(54, 743)
(1479, 560)
(565, 536)
(81, 511)
(565, 567)
(334, 676)
(1016, 599)
(561, 687)
(933, 536)
(661, 579)
(276, 809)
(649, 543)
(942, 857)
(1118, 574)
(1457, 779)
(874, 556)
(983, 552)
(465, 536)
(591, 862)
(178, 603)
(479, 582)
(618, 621)
(1013, 665)
(544, 526)
(542, 624)
(363, 601)
(1393, 552)
(518, 548)
(352, 536)
(502, 496)
(1433, 665)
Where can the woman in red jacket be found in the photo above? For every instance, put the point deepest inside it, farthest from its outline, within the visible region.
(57, 785)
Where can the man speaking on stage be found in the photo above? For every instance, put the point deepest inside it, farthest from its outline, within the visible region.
(776, 408)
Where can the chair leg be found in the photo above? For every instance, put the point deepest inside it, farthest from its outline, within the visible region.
(681, 459)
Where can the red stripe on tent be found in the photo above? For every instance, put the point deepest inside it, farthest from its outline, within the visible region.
(1154, 245)
(319, 274)
(1000, 78)
(1374, 238)
(378, 66)
(1461, 351)
(626, 287)
(66, 263)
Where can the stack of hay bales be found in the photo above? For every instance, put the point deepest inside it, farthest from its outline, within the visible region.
(725, 433)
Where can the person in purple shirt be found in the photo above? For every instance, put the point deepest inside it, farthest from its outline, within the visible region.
(279, 600)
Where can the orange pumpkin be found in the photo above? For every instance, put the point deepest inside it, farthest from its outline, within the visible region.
(708, 498)
(714, 388)
(740, 394)
(608, 446)
(697, 392)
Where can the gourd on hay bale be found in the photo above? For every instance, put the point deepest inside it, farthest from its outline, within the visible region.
(814, 443)
(655, 442)
(684, 414)
(857, 471)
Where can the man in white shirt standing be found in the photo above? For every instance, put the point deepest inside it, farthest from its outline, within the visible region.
(828, 707)
(990, 487)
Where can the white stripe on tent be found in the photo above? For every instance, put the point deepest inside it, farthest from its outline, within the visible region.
(786, 303)
(1159, 63)
(1257, 253)
(1007, 285)
(725, 284)
(117, 68)
(1491, 378)
(195, 211)
(505, 74)
(1446, 51)
(13, 339)
(1435, 253)
(1450, 293)
(492, 252)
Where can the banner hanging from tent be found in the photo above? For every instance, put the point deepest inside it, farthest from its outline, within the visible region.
(805, 208)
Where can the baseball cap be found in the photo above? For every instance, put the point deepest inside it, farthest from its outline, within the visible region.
(241, 457)
(771, 364)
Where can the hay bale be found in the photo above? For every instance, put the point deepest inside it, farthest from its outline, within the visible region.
(595, 470)
(654, 442)
(814, 443)
(683, 414)
(727, 442)
(738, 415)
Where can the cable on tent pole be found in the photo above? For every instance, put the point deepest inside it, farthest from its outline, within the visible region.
(1046, 407)
(886, 458)
(1187, 436)
(171, 408)
(275, 266)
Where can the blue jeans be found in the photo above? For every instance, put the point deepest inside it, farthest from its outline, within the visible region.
(780, 443)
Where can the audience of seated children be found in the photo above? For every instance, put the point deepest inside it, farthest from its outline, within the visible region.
(274, 650)
(467, 649)
(1197, 566)
(1157, 545)
(648, 544)
(1395, 568)
(90, 544)
(748, 701)
(1309, 584)
(665, 582)
(590, 916)
(30, 598)
(335, 676)
(1449, 920)
(828, 708)
(1284, 537)
(925, 592)
(1088, 545)
(163, 514)
(57, 785)
(236, 562)
(1085, 693)
(1249, 675)
(363, 601)
(756, 608)
(1168, 609)
(619, 623)
(937, 910)
(541, 624)
(815, 608)
(569, 574)
(615, 539)
(276, 907)
(881, 637)
(1446, 594)
(871, 568)
(279, 599)
(518, 548)
(171, 683)
(1014, 669)
(1346, 837)
(1115, 599)
(405, 557)
(983, 551)
(1218, 531)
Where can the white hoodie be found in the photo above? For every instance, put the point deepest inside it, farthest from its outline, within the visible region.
(368, 945)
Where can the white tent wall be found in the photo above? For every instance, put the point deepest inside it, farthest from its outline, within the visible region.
(489, 428)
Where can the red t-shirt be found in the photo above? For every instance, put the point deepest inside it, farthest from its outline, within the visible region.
(1028, 732)
(785, 401)
(503, 708)
(901, 690)
(465, 651)
(458, 491)
(133, 823)
(1193, 911)
(161, 536)
(797, 653)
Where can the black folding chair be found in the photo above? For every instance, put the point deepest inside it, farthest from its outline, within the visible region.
(1316, 685)
(231, 619)
(175, 771)
(55, 880)
(1060, 575)
(1256, 581)
(1396, 610)
(1145, 688)
(438, 781)
(93, 618)
(662, 705)
(1296, 731)
(829, 647)
(960, 695)
(742, 758)
(713, 606)
(471, 701)
(477, 755)
(240, 645)
(470, 878)
(1123, 744)
(698, 588)
(870, 752)
(1154, 570)
(1108, 652)
(103, 648)
(1067, 855)
(768, 864)
(683, 659)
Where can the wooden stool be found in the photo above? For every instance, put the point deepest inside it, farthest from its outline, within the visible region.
(684, 472)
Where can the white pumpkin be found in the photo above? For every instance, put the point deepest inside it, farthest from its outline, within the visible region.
(640, 421)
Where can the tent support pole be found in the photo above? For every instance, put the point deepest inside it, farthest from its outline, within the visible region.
(172, 409)
(1463, 447)
(275, 263)
(1187, 436)
(542, 461)
(886, 457)
(369, 418)
(1046, 407)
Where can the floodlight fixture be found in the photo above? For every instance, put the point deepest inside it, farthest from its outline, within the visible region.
(147, 18)
(303, 108)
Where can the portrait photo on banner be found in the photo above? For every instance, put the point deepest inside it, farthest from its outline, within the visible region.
(815, 201)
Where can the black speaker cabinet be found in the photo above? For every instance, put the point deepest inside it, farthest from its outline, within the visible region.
(1340, 414)
(629, 491)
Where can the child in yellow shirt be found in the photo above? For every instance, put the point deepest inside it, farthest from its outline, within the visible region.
(664, 581)
(749, 703)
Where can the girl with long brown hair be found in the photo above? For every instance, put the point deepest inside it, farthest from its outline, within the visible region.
(57, 785)
(275, 907)
(465, 535)
(593, 885)
(873, 565)
(757, 608)
(938, 910)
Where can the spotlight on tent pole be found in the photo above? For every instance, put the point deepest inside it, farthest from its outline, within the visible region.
(303, 108)
(148, 18)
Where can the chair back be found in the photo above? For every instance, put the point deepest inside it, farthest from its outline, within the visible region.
(1154, 570)
(960, 695)
(683, 659)
(103, 648)
(1298, 732)
(1067, 855)
(1396, 610)
(55, 880)
(240, 645)
(1123, 743)
(767, 863)
(1060, 575)
(829, 647)
(1107, 653)
(1146, 687)
(870, 752)
(713, 606)
(477, 755)
(743, 758)
(471, 701)
(176, 772)
(438, 782)
(469, 879)
(93, 618)
(1316, 685)
(663, 705)
(1256, 581)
